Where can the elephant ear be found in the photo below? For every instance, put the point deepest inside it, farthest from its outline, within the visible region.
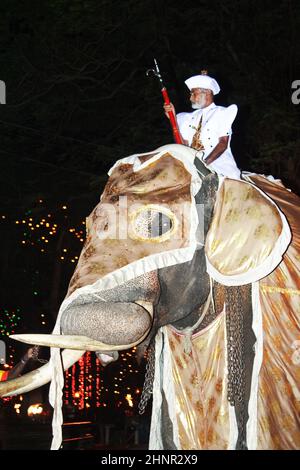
(247, 236)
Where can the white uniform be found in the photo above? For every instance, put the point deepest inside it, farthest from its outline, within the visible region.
(216, 123)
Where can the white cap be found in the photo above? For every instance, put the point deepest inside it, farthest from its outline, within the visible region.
(203, 81)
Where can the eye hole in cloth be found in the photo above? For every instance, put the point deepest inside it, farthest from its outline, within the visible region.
(152, 223)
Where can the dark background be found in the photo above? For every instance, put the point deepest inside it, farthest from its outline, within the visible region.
(78, 99)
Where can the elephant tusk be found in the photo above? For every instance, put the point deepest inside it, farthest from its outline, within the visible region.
(74, 342)
(38, 377)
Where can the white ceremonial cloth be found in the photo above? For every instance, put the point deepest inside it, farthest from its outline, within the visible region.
(216, 123)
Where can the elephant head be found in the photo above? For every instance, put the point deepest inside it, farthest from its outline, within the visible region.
(151, 244)
(146, 220)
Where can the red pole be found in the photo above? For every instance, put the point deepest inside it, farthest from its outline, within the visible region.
(176, 133)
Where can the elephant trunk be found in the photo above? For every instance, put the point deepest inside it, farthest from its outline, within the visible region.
(115, 323)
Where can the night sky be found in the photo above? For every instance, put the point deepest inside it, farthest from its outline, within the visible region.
(78, 99)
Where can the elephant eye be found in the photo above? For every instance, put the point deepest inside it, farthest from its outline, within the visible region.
(158, 223)
(152, 223)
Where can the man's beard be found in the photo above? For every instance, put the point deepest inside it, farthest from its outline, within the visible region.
(199, 104)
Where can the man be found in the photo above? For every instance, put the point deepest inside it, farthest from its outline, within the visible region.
(208, 128)
(31, 353)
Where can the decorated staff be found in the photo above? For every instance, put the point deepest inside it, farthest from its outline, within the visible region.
(156, 72)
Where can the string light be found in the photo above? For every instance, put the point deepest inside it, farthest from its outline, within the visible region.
(84, 383)
(73, 385)
(43, 230)
(98, 383)
(81, 383)
(87, 383)
(9, 319)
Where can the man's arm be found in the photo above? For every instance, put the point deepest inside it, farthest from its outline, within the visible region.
(218, 150)
(18, 369)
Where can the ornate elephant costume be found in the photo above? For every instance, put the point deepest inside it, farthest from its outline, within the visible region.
(186, 258)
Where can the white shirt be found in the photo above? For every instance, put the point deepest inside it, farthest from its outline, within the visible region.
(216, 123)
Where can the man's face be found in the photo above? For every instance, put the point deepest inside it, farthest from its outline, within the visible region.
(200, 98)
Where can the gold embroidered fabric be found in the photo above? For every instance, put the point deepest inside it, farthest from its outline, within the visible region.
(202, 410)
(244, 229)
(112, 240)
(200, 381)
(279, 378)
(282, 290)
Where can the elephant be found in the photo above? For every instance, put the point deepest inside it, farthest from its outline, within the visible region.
(200, 271)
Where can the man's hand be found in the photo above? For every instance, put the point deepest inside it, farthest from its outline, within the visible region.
(169, 108)
(18, 369)
(31, 353)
